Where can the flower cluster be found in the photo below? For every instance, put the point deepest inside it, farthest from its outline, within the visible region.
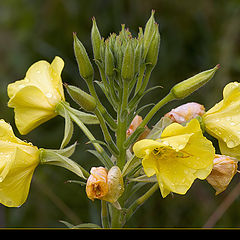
(171, 155)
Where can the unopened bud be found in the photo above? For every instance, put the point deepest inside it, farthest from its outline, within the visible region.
(224, 169)
(83, 99)
(96, 40)
(148, 34)
(105, 185)
(186, 112)
(109, 62)
(127, 71)
(188, 86)
(152, 54)
(84, 64)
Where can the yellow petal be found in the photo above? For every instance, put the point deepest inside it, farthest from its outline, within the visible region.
(31, 108)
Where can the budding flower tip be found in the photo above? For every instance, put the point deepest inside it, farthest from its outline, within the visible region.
(65, 85)
(218, 66)
(93, 19)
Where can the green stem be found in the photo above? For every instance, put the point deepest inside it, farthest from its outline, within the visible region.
(112, 124)
(104, 214)
(140, 201)
(107, 136)
(116, 218)
(122, 126)
(97, 146)
(147, 118)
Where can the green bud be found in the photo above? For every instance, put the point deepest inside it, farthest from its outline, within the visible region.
(109, 62)
(83, 99)
(127, 72)
(152, 54)
(148, 34)
(84, 64)
(138, 57)
(188, 86)
(96, 40)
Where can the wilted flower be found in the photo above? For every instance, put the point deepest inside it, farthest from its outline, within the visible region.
(224, 169)
(18, 160)
(186, 112)
(181, 155)
(222, 120)
(133, 126)
(105, 185)
(34, 98)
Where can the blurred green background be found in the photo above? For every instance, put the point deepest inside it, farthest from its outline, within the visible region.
(195, 36)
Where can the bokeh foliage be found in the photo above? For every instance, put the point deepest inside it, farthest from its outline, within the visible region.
(195, 36)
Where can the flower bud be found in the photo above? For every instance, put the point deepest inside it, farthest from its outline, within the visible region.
(224, 169)
(84, 64)
(109, 62)
(152, 54)
(186, 112)
(105, 185)
(148, 34)
(83, 99)
(188, 86)
(127, 71)
(96, 40)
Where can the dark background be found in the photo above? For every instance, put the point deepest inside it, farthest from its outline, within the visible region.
(195, 36)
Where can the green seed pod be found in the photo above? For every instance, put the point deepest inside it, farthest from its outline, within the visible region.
(83, 99)
(188, 86)
(115, 185)
(127, 71)
(152, 54)
(96, 40)
(84, 64)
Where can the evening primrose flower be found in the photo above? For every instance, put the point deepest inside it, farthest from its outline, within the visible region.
(222, 120)
(180, 156)
(34, 98)
(18, 160)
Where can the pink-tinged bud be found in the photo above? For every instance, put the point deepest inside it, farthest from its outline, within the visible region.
(224, 169)
(133, 126)
(186, 112)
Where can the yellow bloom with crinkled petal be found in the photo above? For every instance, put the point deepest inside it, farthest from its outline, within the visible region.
(18, 160)
(34, 98)
(181, 155)
(223, 120)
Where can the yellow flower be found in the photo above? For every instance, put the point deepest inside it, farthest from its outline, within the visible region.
(34, 98)
(18, 160)
(180, 156)
(223, 120)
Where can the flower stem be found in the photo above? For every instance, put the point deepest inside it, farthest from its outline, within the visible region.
(140, 201)
(147, 118)
(104, 214)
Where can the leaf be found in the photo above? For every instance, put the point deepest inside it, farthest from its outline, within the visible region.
(100, 157)
(82, 225)
(144, 178)
(68, 132)
(77, 182)
(159, 127)
(130, 165)
(68, 151)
